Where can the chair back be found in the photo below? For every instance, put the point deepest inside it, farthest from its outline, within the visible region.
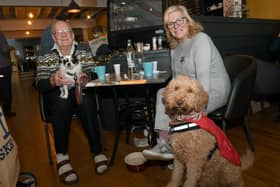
(242, 72)
(45, 111)
(43, 108)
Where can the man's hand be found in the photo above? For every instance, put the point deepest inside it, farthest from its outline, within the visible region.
(59, 79)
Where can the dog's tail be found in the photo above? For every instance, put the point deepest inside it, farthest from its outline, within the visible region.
(247, 159)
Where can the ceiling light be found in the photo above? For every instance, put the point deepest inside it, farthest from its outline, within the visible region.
(29, 22)
(73, 7)
(31, 15)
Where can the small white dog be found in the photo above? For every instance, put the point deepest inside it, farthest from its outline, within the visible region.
(71, 69)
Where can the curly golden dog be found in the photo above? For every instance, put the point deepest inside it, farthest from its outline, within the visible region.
(203, 154)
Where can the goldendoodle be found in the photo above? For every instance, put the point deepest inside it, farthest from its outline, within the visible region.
(202, 151)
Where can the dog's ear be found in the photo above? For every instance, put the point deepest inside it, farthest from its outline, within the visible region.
(164, 94)
(60, 60)
(200, 96)
(166, 108)
(203, 98)
(74, 59)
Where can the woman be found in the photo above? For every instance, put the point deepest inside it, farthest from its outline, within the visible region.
(194, 54)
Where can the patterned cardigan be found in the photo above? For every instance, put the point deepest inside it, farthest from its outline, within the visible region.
(48, 62)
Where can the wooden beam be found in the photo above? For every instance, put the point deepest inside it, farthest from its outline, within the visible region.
(81, 3)
(20, 12)
(22, 34)
(45, 12)
(15, 25)
(6, 12)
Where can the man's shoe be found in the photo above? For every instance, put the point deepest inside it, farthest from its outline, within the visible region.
(161, 151)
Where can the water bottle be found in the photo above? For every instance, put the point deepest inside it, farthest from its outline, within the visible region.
(130, 58)
(139, 55)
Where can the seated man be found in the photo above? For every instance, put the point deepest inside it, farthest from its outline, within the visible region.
(49, 78)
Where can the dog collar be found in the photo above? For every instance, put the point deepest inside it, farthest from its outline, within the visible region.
(71, 74)
(185, 126)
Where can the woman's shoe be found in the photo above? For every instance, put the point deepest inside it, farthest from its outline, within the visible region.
(161, 151)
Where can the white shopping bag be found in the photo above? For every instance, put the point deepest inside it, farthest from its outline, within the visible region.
(9, 162)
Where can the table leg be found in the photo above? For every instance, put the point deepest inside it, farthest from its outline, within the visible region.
(149, 103)
(117, 126)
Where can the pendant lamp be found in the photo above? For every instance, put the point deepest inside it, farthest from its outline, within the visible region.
(73, 7)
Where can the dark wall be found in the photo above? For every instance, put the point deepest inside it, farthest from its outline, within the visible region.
(118, 39)
(241, 35)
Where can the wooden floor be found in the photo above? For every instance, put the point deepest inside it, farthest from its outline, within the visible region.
(27, 129)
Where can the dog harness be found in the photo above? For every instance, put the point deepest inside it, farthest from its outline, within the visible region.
(187, 126)
(71, 74)
(184, 126)
(224, 145)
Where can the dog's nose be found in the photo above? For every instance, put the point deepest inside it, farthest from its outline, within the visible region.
(179, 102)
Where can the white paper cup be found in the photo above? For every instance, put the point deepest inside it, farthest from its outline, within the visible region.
(155, 66)
(117, 68)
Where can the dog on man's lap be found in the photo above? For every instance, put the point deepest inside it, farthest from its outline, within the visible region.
(204, 156)
(71, 69)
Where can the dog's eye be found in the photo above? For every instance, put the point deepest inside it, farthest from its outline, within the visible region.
(189, 90)
(176, 88)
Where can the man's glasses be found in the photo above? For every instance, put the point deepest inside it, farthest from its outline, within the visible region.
(61, 32)
(178, 22)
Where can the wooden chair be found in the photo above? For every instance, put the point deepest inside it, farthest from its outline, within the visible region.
(46, 119)
(242, 73)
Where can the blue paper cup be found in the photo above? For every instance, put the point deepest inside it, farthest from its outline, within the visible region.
(100, 71)
(148, 69)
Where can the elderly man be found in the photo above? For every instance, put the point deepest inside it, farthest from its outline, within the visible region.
(48, 80)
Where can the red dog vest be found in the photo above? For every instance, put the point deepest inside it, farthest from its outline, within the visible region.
(225, 147)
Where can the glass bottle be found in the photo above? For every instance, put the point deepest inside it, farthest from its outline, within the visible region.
(130, 58)
(160, 39)
(139, 55)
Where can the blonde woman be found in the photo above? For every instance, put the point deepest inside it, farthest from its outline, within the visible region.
(194, 54)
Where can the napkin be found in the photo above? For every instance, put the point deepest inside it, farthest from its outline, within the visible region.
(141, 81)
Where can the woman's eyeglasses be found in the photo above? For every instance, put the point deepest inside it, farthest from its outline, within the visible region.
(178, 22)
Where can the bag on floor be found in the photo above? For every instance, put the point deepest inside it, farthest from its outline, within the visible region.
(9, 162)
